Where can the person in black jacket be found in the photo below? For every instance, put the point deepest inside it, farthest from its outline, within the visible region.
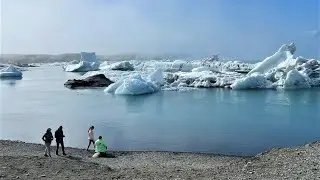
(59, 139)
(47, 138)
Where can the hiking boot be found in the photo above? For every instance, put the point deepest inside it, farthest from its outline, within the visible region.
(46, 155)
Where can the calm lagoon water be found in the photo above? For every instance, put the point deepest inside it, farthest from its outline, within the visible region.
(205, 120)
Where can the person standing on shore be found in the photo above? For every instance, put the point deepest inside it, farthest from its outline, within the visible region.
(91, 137)
(47, 138)
(59, 139)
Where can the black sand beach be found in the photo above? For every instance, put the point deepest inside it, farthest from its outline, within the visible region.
(19, 160)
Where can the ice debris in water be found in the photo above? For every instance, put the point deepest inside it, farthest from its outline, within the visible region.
(88, 62)
(120, 66)
(282, 54)
(253, 81)
(283, 71)
(10, 72)
(136, 85)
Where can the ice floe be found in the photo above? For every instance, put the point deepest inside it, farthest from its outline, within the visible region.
(253, 81)
(136, 85)
(281, 70)
(119, 66)
(10, 72)
(88, 62)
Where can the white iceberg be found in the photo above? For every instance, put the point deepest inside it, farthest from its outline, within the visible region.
(253, 81)
(10, 72)
(136, 85)
(157, 77)
(179, 65)
(120, 66)
(83, 66)
(281, 55)
(114, 86)
(104, 65)
(295, 80)
(283, 71)
(88, 62)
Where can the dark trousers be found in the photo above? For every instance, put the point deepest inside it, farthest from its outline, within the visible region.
(62, 146)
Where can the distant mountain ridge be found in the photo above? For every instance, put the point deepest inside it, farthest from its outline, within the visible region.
(48, 58)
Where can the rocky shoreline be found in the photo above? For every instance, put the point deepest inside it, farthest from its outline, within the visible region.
(19, 160)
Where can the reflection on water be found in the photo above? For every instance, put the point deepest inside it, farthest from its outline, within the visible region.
(10, 81)
(205, 120)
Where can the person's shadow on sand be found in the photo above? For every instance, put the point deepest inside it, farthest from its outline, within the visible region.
(107, 155)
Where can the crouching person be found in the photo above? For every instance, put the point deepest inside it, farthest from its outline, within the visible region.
(101, 148)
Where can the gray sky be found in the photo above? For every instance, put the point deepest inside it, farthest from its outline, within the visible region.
(249, 29)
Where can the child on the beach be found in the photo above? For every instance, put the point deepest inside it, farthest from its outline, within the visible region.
(91, 137)
(47, 138)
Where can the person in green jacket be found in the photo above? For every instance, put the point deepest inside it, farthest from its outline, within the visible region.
(101, 148)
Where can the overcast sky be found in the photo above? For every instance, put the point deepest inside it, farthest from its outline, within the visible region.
(247, 29)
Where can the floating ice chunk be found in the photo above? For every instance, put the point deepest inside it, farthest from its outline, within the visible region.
(87, 63)
(253, 81)
(104, 65)
(285, 52)
(200, 69)
(135, 85)
(88, 57)
(10, 72)
(295, 80)
(83, 66)
(121, 66)
(179, 65)
(157, 77)
(113, 87)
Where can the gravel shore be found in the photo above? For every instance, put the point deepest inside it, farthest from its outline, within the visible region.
(19, 160)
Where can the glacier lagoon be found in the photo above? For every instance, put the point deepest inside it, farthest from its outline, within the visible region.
(217, 120)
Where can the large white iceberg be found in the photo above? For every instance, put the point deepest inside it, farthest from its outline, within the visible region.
(281, 55)
(282, 70)
(136, 85)
(10, 72)
(88, 62)
(121, 66)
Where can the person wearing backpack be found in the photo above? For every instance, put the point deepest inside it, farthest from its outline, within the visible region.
(47, 138)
